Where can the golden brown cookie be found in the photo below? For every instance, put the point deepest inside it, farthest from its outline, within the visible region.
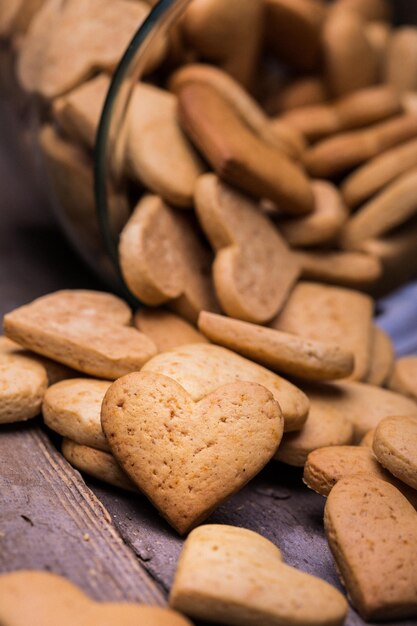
(323, 225)
(372, 532)
(336, 155)
(401, 64)
(70, 173)
(376, 218)
(186, 456)
(364, 405)
(23, 383)
(379, 172)
(397, 253)
(151, 125)
(55, 371)
(287, 23)
(228, 575)
(16, 16)
(368, 439)
(395, 447)
(67, 43)
(382, 358)
(163, 259)
(356, 110)
(72, 409)
(167, 330)
(371, 10)
(325, 426)
(300, 92)
(83, 330)
(237, 154)
(279, 135)
(254, 269)
(211, 29)
(280, 352)
(404, 376)
(158, 154)
(201, 369)
(350, 61)
(354, 270)
(331, 314)
(78, 112)
(326, 466)
(96, 463)
(46, 596)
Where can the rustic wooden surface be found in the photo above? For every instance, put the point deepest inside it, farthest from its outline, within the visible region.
(46, 511)
(50, 520)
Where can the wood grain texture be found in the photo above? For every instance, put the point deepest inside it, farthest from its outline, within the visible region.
(50, 520)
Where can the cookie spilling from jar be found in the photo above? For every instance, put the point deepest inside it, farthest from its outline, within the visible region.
(266, 212)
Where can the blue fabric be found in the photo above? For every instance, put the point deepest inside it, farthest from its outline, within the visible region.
(398, 317)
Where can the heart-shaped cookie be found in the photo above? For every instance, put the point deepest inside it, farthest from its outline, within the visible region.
(44, 599)
(163, 259)
(254, 269)
(187, 456)
(202, 368)
(68, 42)
(85, 330)
(234, 576)
(372, 531)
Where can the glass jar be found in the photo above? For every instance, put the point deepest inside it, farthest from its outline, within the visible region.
(93, 225)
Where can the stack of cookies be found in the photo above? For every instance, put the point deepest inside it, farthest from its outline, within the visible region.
(269, 207)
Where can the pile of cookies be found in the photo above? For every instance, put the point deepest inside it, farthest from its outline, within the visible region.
(313, 120)
(269, 207)
(187, 416)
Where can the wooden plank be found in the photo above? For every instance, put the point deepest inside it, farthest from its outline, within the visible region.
(50, 520)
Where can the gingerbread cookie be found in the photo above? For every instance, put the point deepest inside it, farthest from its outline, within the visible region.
(228, 575)
(96, 463)
(163, 259)
(364, 405)
(404, 376)
(339, 316)
(237, 154)
(26, 594)
(395, 447)
(382, 358)
(254, 269)
(354, 270)
(201, 369)
(281, 352)
(23, 383)
(72, 409)
(186, 456)
(372, 532)
(167, 330)
(83, 330)
(323, 225)
(325, 426)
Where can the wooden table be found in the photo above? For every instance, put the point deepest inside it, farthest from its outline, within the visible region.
(114, 545)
